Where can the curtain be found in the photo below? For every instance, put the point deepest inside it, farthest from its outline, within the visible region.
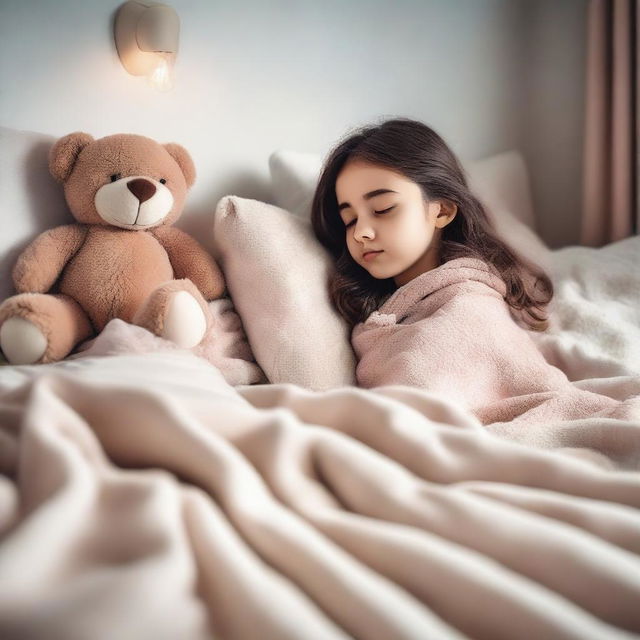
(611, 207)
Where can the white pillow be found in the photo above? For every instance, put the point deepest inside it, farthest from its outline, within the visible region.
(501, 182)
(30, 199)
(294, 176)
(276, 273)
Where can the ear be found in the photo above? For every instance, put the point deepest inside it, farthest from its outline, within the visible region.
(446, 213)
(182, 157)
(65, 152)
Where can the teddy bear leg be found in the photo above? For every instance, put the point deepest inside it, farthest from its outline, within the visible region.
(176, 311)
(40, 328)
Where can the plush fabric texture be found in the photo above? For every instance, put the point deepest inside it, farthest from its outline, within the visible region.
(264, 260)
(224, 345)
(108, 270)
(150, 313)
(143, 497)
(449, 331)
(83, 165)
(185, 255)
(595, 311)
(28, 190)
(40, 264)
(134, 260)
(60, 319)
(65, 152)
(115, 272)
(276, 273)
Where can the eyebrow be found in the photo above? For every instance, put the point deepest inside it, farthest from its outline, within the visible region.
(367, 196)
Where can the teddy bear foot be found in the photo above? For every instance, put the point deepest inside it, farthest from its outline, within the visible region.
(21, 341)
(184, 322)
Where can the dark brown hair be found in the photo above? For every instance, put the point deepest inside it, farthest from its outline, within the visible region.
(421, 155)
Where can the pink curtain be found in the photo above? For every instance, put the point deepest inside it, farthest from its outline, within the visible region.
(612, 134)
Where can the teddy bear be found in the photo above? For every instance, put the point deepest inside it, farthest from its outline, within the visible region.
(121, 259)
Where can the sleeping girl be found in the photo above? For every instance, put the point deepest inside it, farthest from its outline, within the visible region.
(434, 297)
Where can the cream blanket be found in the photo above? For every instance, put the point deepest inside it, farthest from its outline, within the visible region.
(449, 331)
(595, 312)
(225, 344)
(144, 497)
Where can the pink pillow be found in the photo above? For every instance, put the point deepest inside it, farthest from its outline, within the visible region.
(276, 274)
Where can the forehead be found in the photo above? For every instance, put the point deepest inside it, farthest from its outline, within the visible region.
(358, 177)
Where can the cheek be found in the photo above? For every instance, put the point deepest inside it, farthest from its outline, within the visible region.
(411, 235)
(80, 195)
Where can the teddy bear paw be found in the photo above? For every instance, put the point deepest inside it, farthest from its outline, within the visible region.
(21, 341)
(184, 321)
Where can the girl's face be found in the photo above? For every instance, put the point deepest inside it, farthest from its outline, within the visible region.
(391, 230)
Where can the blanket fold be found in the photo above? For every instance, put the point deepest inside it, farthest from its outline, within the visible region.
(450, 331)
(145, 497)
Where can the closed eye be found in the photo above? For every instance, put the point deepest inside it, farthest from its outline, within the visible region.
(382, 211)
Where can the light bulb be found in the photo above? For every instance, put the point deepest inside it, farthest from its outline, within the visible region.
(161, 77)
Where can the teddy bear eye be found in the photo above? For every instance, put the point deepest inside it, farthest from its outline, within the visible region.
(115, 176)
(163, 181)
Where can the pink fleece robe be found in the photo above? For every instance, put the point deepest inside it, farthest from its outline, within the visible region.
(451, 332)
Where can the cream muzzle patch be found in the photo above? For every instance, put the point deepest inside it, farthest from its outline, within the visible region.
(134, 202)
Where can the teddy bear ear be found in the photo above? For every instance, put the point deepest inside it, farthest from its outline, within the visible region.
(65, 152)
(182, 157)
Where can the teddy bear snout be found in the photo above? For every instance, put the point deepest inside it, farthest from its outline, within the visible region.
(141, 189)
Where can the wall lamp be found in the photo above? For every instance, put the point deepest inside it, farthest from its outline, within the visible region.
(147, 35)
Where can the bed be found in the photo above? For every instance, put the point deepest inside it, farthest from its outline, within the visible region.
(248, 489)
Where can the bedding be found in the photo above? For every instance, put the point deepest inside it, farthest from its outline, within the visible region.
(276, 273)
(449, 331)
(595, 313)
(142, 496)
(224, 345)
(151, 492)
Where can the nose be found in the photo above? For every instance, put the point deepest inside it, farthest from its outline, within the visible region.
(141, 189)
(363, 229)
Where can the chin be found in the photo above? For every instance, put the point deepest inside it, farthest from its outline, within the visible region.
(379, 274)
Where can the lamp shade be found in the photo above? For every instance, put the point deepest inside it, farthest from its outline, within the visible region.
(142, 31)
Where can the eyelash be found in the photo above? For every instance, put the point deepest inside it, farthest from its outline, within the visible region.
(383, 211)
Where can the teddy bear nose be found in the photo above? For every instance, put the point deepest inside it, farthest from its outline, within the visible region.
(141, 189)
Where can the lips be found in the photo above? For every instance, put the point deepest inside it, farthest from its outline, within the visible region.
(370, 255)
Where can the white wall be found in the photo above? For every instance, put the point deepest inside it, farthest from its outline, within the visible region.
(255, 76)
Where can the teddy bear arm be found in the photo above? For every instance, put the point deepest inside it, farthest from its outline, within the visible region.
(189, 259)
(42, 262)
